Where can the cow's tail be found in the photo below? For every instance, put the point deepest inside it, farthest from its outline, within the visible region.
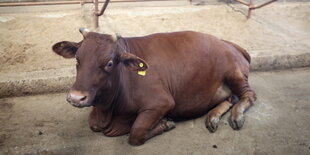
(241, 50)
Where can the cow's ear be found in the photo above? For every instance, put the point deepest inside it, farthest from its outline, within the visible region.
(66, 49)
(133, 62)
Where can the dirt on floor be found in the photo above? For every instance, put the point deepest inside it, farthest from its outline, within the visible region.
(278, 124)
(26, 38)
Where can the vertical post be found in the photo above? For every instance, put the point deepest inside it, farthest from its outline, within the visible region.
(82, 2)
(95, 14)
(250, 9)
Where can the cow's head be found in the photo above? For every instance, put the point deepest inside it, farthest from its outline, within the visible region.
(98, 59)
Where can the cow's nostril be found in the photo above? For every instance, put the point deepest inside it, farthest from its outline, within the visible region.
(83, 98)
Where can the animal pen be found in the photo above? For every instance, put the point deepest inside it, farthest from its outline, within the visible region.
(34, 115)
(97, 13)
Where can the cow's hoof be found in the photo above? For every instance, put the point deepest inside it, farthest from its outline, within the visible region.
(212, 123)
(236, 121)
(135, 142)
(169, 125)
(95, 128)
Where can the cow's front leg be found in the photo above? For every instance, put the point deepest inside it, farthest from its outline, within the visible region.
(148, 124)
(163, 126)
(99, 120)
(93, 122)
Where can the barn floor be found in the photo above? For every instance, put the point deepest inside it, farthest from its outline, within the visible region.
(277, 124)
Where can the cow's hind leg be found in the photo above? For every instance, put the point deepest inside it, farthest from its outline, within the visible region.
(213, 116)
(238, 83)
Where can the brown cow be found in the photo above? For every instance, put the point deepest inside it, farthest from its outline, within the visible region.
(134, 84)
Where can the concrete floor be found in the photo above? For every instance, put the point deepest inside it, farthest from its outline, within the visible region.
(279, 123)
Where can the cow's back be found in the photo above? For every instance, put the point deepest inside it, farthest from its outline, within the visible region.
(191, 66)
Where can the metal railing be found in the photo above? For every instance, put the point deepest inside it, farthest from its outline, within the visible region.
(252, 7)
(98, 13)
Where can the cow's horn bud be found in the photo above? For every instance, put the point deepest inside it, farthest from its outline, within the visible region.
(84, 31)
(115, 36)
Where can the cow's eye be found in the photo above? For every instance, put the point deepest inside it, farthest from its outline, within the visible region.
(109, 66)
(110, 63)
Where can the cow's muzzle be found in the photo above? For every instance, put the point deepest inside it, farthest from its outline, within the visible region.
(78, 99)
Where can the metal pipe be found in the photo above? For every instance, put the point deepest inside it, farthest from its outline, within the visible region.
(264, 4)
(249, 10)
(252, 7)
(243, 2)
(95, 14)
(103, 8)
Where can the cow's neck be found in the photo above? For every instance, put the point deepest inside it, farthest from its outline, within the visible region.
(107, 102)
(110, 99)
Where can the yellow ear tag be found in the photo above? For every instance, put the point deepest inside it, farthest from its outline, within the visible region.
(142, 73)
(62, 45)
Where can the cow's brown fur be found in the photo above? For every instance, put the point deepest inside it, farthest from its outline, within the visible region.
(187, 74)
